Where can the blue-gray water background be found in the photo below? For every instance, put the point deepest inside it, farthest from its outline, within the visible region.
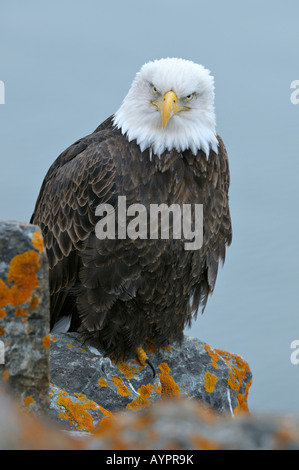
(68, 64)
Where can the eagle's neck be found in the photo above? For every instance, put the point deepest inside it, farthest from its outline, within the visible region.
(182, 132)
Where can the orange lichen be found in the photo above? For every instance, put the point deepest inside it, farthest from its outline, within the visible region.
(105, 412)
(105, 420)
(127, 370)
(22, 274)
(168, 386)
(109, 427)
(46, 341)
(205, 413)
(102, 382)
(2, 330)
(213, 355)
(2, 313)
(33, 303)
(242, 406)
(76, 412)
(20, 312)
(4, 294)
(37, 241)
(122, 389)
(238, 372)
(238, 369)
(54, 339)
(285, 436)
(5, 375)
(210, 382)
(28, 401)
(202, 443)
(23, 279)
(141, 401)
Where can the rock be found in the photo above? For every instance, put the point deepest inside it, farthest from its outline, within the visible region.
(189, 425)
(24, 314)
(87, 386)
(105, 403)
(22, 430)
(175, 425)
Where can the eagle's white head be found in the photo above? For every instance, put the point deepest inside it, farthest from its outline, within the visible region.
(170, 105)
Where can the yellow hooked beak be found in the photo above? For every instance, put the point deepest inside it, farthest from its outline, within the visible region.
(168, 107)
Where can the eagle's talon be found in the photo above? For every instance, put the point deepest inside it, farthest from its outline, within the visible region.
(148, 362)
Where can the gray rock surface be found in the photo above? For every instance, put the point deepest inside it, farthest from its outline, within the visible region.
(188, 425)
(24, 314)
(172, 424)
(82, 377)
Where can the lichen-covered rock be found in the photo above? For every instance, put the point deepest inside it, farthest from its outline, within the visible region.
(81, 413)
(189, 425)
(88, 387)
(22, 430)
(179, 424)
(24, 314)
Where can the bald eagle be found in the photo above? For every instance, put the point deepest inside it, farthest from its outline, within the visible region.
(160, 147)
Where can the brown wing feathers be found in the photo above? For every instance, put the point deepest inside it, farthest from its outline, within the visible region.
(125, 291)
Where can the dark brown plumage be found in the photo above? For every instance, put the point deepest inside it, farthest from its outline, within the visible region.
(127, 291)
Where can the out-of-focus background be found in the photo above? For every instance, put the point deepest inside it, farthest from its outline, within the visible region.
(67, 66)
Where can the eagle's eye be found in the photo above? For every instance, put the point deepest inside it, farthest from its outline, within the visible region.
(190, 97)
(154, 90)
